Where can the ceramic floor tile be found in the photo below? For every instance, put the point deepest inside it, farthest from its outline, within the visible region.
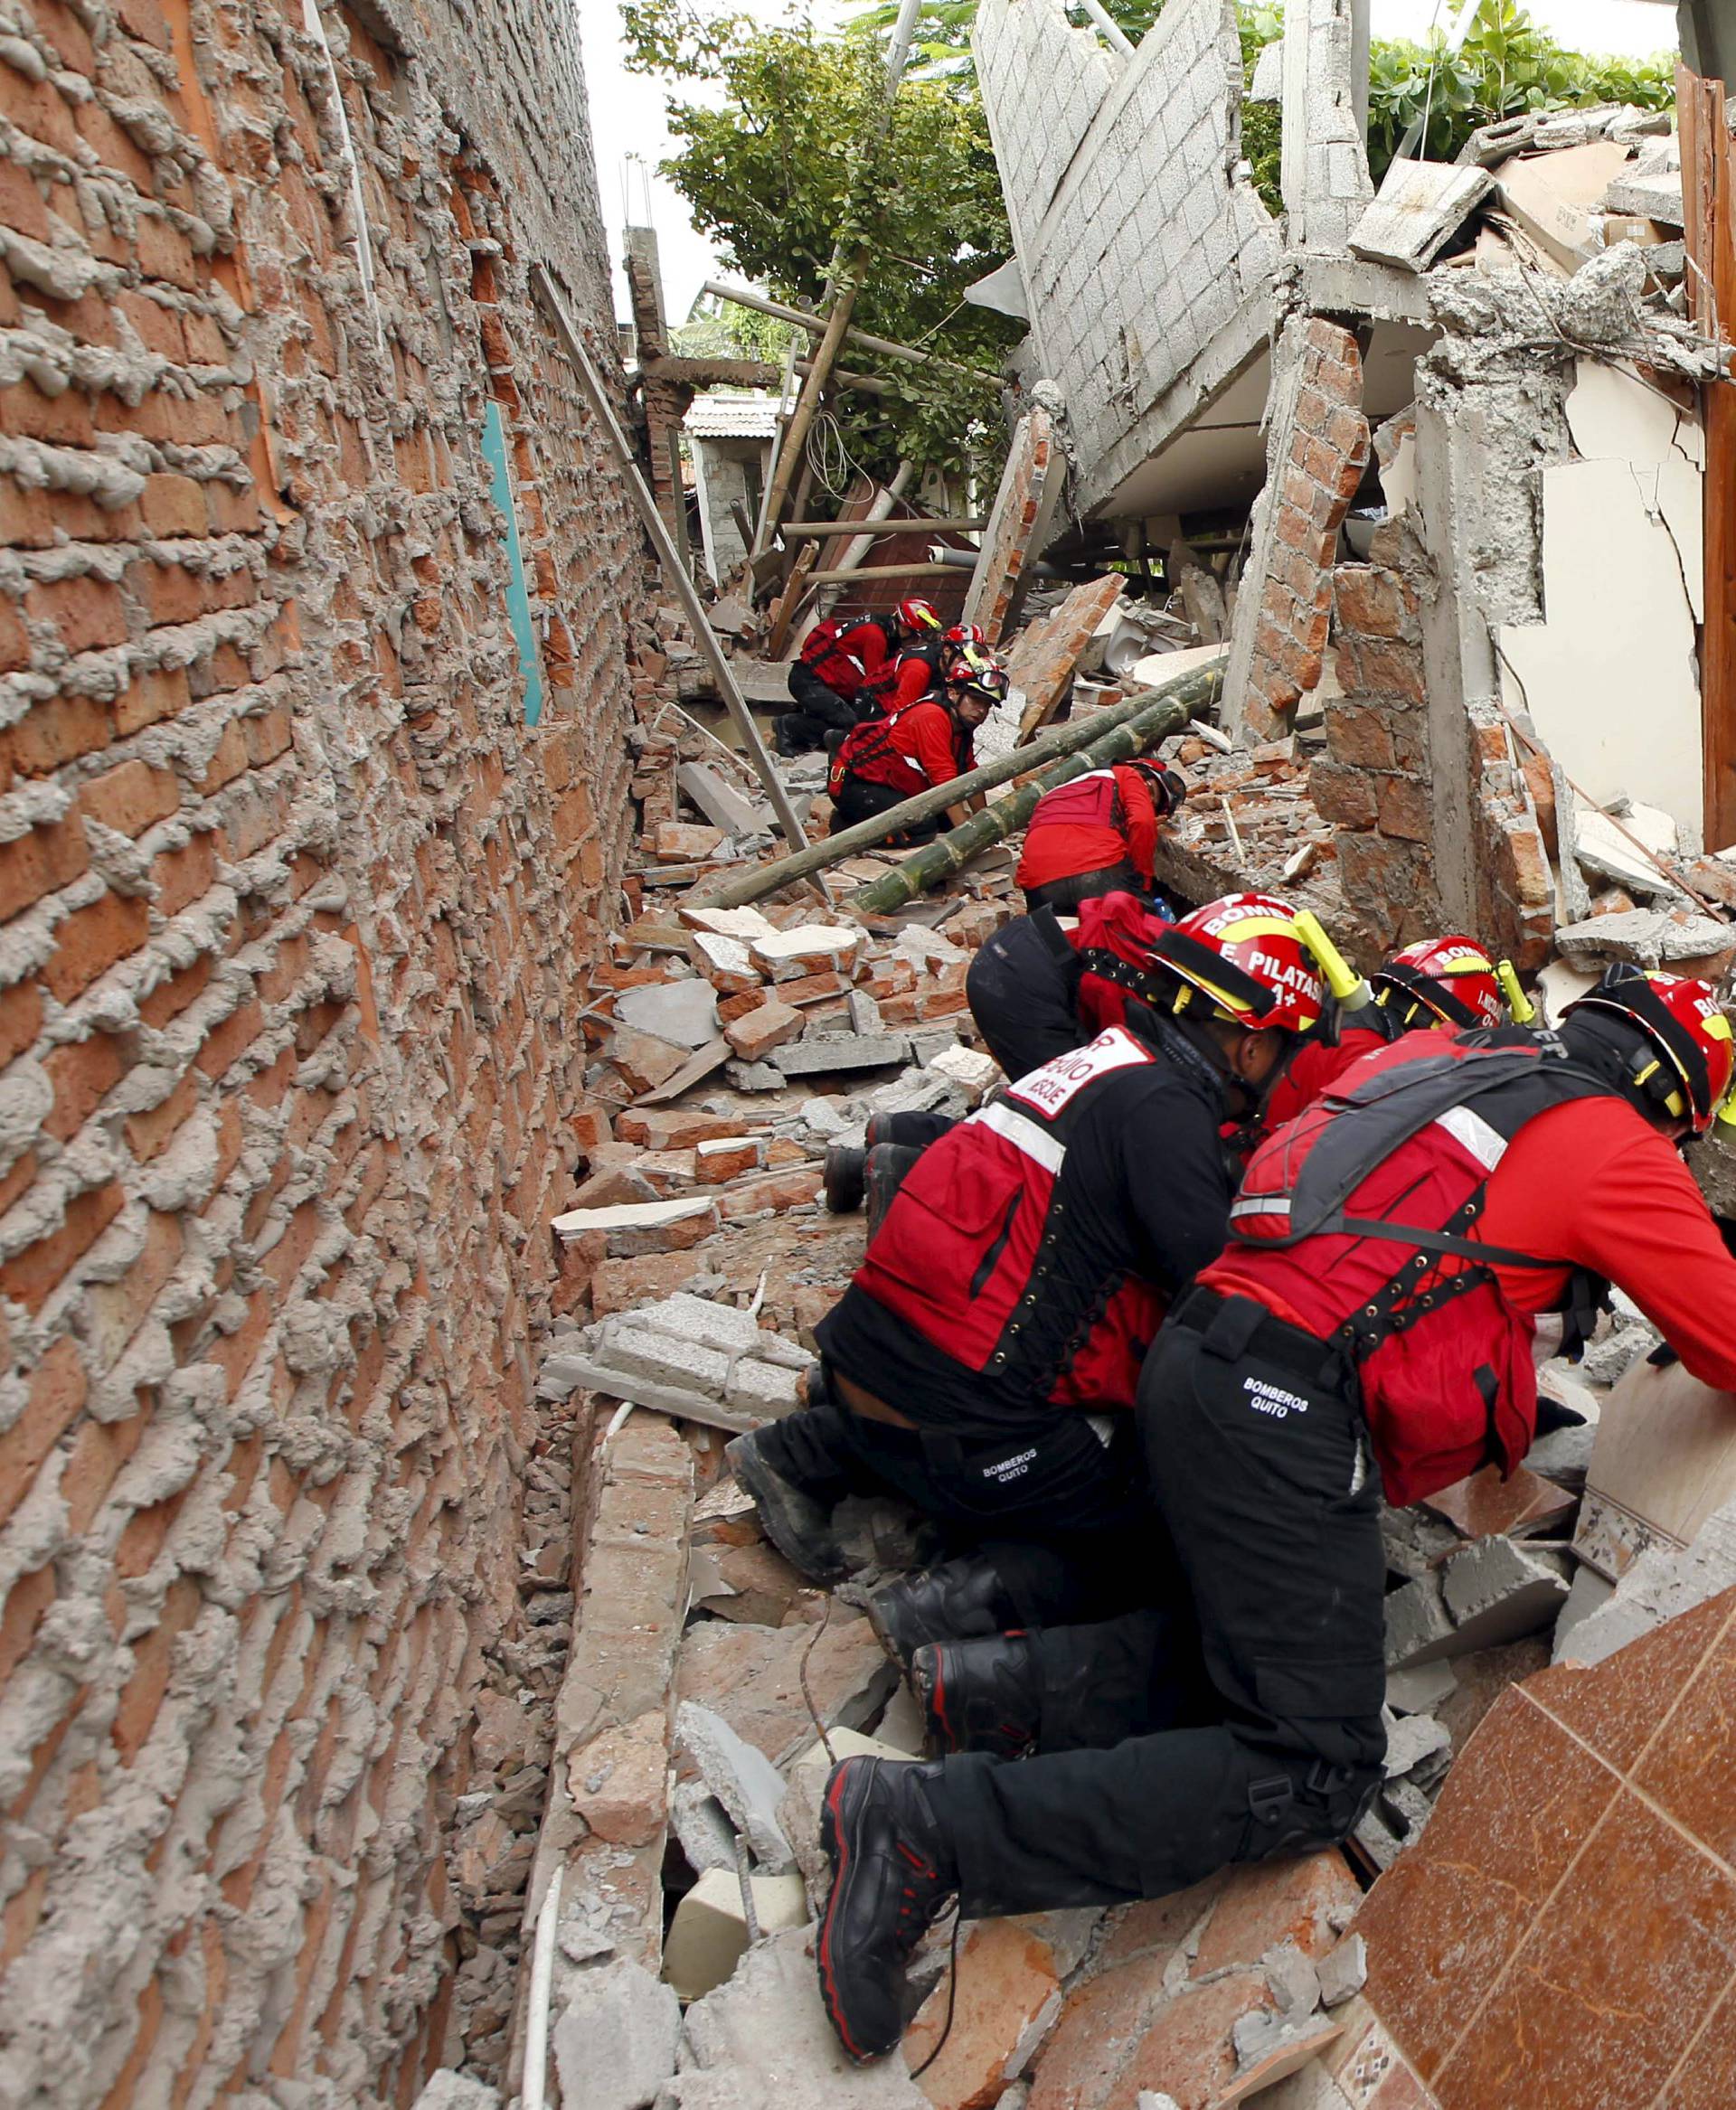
(1603, 1998)
(1442, 1922)
(1690, 1767)
(1617, 1704)
(1707, 2079)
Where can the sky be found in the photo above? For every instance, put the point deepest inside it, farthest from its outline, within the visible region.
(630, 136)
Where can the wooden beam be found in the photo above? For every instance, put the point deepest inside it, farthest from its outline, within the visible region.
(639, 491)
(1709, 201)
(745, 297)
(883, 572)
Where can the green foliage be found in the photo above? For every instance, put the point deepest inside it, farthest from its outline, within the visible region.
(724, 329)
(792, 162)
(1505, 67)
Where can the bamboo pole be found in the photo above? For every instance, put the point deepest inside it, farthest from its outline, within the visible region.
(880, 572)
(914, 525)
(887, 347)
(1196, 689)
(938, 860)
(639, 491)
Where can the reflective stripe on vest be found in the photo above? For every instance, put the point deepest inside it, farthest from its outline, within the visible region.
(1027, 1136)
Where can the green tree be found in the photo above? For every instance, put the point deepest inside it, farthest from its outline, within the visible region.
(790, 164)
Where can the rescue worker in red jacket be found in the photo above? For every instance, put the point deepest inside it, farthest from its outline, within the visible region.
(1097, 835)
(922, 745)
(833, 678)
(1010, 1296)
(1370, 1328)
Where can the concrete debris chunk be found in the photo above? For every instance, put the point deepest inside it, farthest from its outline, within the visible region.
(1421, 1688)
(1645, 936)
(1663, 1582)
(685, 1013)
(446, 2090)
(633, 1216)
(1498, 1591)
(765, 2027)
(1294, 1981)
(820, 1054)
(1601, 847)
(709, 1934)
(1411, 1741)
(810, 948)
(725, 962)
(722, 804)
(702, 1827)
(1590, 1592)
(974, 1072)
(1343, 1971)
(743, 1779)
(746, 924)
(614, 2044)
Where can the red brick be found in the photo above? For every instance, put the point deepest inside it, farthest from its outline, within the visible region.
(57, 1389)
(59, 729)
(1343, 796)
(131, 798)
(174, 505)
(1405, 809)
(14, 639)
(21, 1019)
(765, 1027)
(82, 1073)
(1371, 599)
(229, 1039)
(90, 940)
(148, 1133)
(151, 698)
(169, 999)
(32, 1275)
(182, 875)
(88, 613)
(38, 863)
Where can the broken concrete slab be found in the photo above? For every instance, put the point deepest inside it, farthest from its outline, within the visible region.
(1600, 847)
(1589, 1593)
(745, 924)
(1418, 209)
(1343, 1971)
(741, 1777)
(709, 1934)
(614, 2044)
(752, 1677)
(1411, 1741)
(1497, 1591)
(725, 962)
(822, 1054)
(766, 2029)
(722, 804)
(629, 1220)
(683, 1013)
(643, 1061)
(702, 1827)
(1649, 937)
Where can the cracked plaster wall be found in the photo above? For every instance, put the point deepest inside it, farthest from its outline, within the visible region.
(294, 913)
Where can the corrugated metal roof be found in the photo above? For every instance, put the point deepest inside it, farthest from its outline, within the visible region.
(721, 417)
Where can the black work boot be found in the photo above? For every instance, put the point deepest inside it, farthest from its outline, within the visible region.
(889, 1165)
(798, 1525)
(980, 1695)
(846, 1178)
(960, 1600)
(893, 1872)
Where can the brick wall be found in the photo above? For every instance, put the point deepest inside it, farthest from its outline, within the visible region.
(1317, 452)
(1374, 783)
(1147, 260)
(294, 911)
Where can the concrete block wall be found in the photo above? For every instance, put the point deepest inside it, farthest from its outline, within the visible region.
(1140, 244)
(1326, 181)
(293, 922)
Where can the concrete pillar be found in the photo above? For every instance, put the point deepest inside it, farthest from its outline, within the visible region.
(1324, 173)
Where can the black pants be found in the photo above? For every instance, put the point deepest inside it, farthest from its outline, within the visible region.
(1020, 989)
(1064, 895)
(820, 710)
(858, 800)
(1129, 1677)
(1065, 1518)
(1263, 1478)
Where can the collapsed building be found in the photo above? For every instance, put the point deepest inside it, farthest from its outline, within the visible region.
(411, 1174)
(1462, 422)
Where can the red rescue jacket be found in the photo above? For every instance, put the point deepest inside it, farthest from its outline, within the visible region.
(845, 659)
(977, 1258)
(1104, 818)
(1354, 1221)
(919, 745)
(1113, 937)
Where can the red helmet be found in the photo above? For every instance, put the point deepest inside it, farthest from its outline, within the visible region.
(978, 671)
(1451, 980)
(1245, 955)
(918, 614)
(1168, 787)
(1693, 1055)
(960, 633)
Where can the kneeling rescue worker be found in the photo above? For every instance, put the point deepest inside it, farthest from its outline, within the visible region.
(922, 744)
(838, 676)
(1008, 1300)
(1097, 835)
(1370, 1326)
